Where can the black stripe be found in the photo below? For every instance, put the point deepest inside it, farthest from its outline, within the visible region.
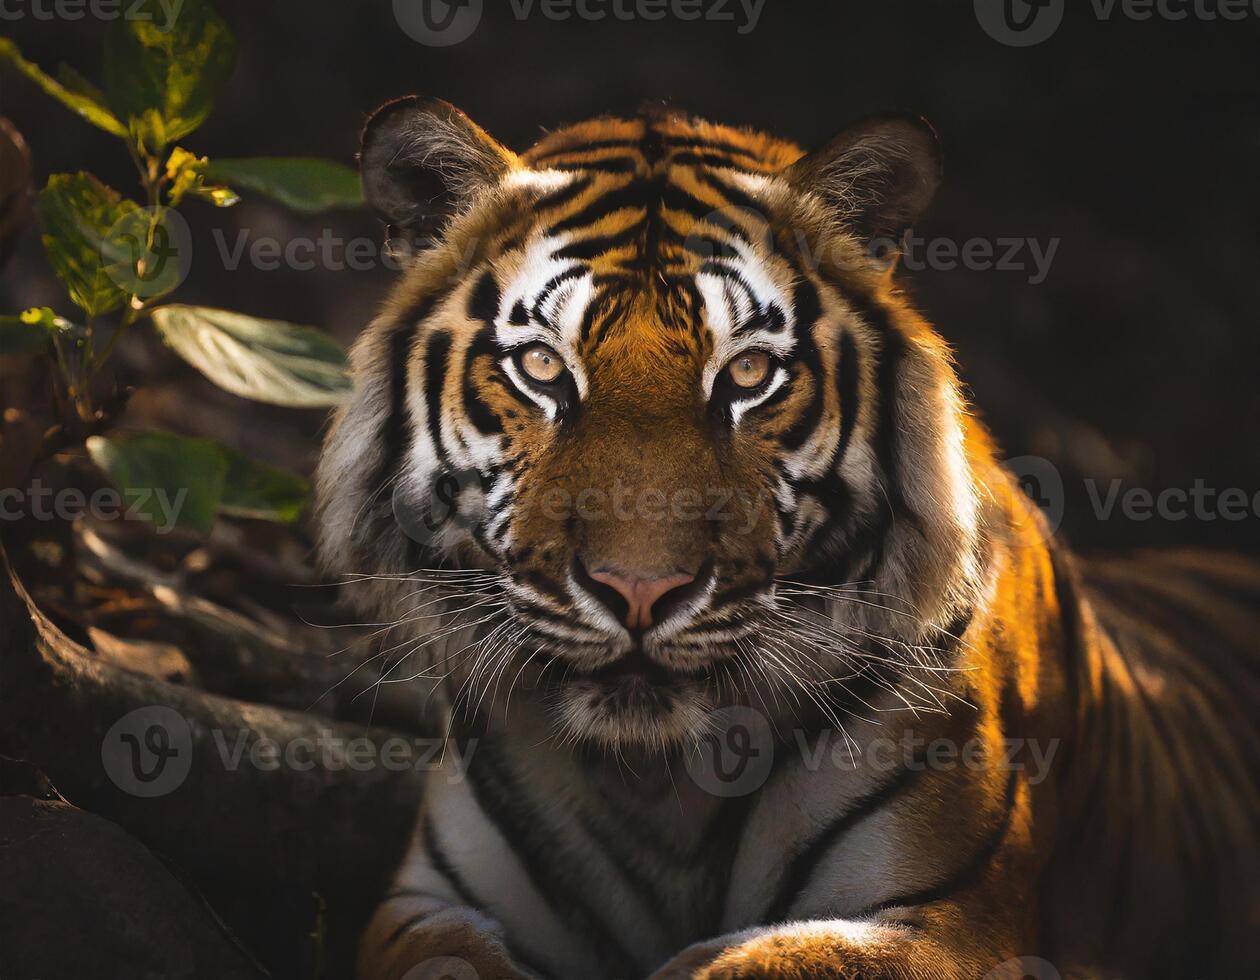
(572, 272)
(562, 195)
(608, 165)
(395, 435)
(442, 865)
(733, 276)
(588, 248)
(733, 194)
(483, 300)
(720, 146)
(807, 309)
(680, 199)
(633, 194)
(969, 873)
(588, 319)
(542, 582)
(849, 387)
(800, 871)
(541, 613)
(477, 411)
(707, 247)
(586, 147)
(523, 827)
(707, 160)
(888, 374)
(738, 592)
(435, 367)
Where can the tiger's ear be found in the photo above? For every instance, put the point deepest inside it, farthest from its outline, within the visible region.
(877, 177)
(421, 160)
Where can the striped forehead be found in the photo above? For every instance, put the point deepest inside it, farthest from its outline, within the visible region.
(549, 296)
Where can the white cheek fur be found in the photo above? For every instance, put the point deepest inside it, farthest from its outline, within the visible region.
(740, 407)
(548, 405)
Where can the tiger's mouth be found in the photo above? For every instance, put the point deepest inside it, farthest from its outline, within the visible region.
(633, 700)
(636, 666)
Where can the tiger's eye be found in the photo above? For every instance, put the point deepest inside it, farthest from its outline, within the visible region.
(750, 368)
(541, 363)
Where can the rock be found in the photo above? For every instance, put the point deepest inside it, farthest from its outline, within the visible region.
(80, 899)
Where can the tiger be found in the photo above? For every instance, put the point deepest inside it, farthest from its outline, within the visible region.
(674, 514)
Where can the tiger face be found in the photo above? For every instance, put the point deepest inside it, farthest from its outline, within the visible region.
(653, 394)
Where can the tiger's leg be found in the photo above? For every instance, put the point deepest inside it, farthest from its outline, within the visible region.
(429, 926)
(960, 926)
(417, 936)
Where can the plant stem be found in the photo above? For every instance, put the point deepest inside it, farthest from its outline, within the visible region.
(151, 177)
(83, 387)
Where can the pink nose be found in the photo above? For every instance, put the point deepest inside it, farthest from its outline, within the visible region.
(641, 594)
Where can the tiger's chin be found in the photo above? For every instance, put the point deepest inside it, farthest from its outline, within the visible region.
(627, 709)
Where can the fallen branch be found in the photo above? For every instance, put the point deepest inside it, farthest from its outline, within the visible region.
(264, 843)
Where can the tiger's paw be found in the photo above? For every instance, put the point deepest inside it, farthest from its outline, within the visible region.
(758, 954)
(452, 944)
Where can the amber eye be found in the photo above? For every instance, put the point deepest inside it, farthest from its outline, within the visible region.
(750, 368)
(541, 363)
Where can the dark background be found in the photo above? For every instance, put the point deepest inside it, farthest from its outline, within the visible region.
(1133, 144)
(1136, 144)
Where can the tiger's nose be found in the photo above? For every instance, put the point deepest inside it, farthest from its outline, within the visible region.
(640, 595)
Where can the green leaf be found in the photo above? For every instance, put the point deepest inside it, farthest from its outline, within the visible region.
(80, 215)
(72, 81)
(185, 481)
(69, 88)
(170, 479)
(305, 184)
(165, 65)
(266, 360)
(254, 489)
(187, 174)
(106, 248)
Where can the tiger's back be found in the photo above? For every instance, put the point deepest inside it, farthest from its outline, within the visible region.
(1156, 860)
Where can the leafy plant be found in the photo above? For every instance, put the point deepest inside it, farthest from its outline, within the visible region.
(119, 259)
